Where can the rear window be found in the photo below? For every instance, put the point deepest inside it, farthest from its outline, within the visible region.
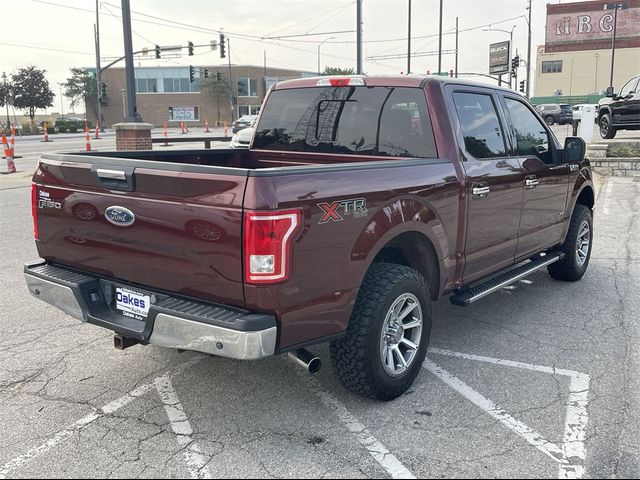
(383, 121)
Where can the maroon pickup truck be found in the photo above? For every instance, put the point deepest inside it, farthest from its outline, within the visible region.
(360, 201)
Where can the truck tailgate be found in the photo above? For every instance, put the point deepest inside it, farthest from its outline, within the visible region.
(184, 234)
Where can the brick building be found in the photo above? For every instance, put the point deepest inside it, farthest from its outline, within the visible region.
(167, 94)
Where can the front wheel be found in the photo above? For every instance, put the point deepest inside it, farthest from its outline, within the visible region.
(388, 335)
(606, 129)
(549, 119)
(576, 247)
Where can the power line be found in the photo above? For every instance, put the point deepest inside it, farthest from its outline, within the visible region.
(24, 45)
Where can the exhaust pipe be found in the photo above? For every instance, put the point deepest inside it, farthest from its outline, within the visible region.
(121, 342)
(306, 359)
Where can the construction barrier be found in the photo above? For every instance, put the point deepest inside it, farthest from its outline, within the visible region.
(9, 165)
(87, 138)
(226, 132)
(46, 133)
(206, 127)
(166, 142)
(97, 134)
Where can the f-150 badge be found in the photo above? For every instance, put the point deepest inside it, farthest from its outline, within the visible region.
(336, 211)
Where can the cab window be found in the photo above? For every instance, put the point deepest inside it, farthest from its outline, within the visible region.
(531, 137)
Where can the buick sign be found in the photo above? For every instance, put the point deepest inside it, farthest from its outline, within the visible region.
(120, 216)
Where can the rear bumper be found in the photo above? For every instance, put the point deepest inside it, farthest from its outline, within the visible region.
(171, 322)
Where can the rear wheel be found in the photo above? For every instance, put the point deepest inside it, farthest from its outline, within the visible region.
(549, 119)
(388, 334)
(606, 129)
(576, 247)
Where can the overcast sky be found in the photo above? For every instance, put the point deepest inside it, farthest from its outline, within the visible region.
(58, 34)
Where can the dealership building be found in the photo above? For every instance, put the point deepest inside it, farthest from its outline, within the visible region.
(167, 94)
(576, 57)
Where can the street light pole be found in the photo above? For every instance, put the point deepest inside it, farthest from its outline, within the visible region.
(528, 89)
(6, 98)
(409, 41)
(319, 45)
(615, 7)
(132, 111)
(359, 37)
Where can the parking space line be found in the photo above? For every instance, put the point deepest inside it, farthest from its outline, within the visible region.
(196, 461)
(375, 447)
(607, 196)
(573, 452)
(85, 421)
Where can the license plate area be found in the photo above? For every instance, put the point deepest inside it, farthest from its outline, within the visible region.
(132, 303)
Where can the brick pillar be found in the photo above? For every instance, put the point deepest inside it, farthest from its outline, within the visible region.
(133, 136)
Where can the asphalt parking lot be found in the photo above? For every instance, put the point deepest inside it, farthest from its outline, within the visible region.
(541, 380)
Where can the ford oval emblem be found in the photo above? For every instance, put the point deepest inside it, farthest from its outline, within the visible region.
(120, 216)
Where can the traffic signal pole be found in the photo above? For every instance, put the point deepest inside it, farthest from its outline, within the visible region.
(132, 109)
(99, 71)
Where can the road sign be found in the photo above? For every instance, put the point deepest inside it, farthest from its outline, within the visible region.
(499, 57)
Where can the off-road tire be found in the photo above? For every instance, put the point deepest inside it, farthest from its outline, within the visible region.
(568, 269)
(605, 127)
(356, 357)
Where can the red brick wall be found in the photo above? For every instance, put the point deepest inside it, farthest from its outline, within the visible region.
(133, 139)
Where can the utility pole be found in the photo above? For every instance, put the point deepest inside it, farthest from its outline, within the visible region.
(132, 109)
(233, 107)
(99, 70)
(409, 41)
(440, 42)
(456, 47)
(359, 37)
(529, 54)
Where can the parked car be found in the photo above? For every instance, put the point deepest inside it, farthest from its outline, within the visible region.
(556, 113)
(243, 122)
(621, 111)
(242, 139)
(360, 201)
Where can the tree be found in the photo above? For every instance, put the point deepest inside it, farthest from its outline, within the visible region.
(81, 89)
(338, 71)
(217, 90)
(5, 94)
(30, 90)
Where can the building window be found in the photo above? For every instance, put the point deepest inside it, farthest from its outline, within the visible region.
(247, 87)
(552, 67)
(248, 110)
(166, 80)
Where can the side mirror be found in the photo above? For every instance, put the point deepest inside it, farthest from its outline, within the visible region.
(610, 92)
(574, 149)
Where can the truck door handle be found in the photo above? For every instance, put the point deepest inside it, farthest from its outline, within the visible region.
(531, 182)
(480, 191)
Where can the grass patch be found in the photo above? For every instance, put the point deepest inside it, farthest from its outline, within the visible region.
(624, 149)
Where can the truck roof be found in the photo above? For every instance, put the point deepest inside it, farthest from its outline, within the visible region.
(384, 81)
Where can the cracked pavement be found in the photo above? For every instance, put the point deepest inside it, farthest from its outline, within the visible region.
(260, 419)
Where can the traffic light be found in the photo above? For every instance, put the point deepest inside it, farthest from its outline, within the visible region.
(522, 85)
(157, 51)
(222, 47)
(192, 73)
(103, 90)
(515, 62)
(206, 73)
(190, 49)
(218, 76)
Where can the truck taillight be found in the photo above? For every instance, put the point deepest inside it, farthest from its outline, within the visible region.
(341, 82)
(268, 239)
(34, 210)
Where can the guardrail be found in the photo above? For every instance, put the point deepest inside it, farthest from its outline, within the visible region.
(207, 140)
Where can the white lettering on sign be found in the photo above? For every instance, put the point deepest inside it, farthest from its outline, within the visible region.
(606, 23)
(584, 24)
(563, 26)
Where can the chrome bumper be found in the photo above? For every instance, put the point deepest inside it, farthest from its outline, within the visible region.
(77, 294)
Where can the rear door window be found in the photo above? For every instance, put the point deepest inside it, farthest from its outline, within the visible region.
(483, 135)
(381, 121)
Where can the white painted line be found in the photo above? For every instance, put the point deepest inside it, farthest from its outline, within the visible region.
(532, 437)
(88, 419)
(196, 461)
(607, 196)
(377, 449)
(573, 452)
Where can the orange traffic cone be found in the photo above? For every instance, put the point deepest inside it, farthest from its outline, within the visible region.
(97, 135)
(226, 132)
(87, 138)
(9, 165)
(166, 142)
(206, 127)
(13, 142)
(46, 133)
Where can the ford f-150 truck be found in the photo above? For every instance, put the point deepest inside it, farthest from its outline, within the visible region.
(361, 200)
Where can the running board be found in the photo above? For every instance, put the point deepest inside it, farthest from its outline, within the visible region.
(468, 295)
